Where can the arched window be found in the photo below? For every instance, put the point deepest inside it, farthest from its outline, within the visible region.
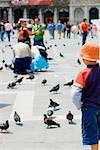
(33, 13)
(48, 16)
(18, 13)
(4, 14)
(78, 15)
(63, 16)
(93, 14)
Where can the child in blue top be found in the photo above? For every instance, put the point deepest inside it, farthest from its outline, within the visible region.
(59, 28)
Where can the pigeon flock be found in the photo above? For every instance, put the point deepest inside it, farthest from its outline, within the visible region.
(52, 107)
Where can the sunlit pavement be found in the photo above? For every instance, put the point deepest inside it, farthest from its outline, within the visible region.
(31, 99)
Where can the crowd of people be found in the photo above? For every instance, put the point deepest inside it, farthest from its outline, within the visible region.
(24, 60)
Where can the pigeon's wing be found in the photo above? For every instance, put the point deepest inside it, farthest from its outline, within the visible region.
(51, 122)
(54, 103)
(17, 118)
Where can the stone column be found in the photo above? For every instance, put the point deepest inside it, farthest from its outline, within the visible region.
(25, 13)
(55, 16)
(71, 14)
(10, 15)
(86, 13)
(40, 15)
(99, 11)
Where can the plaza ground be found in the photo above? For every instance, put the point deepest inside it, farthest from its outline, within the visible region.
(30, 99)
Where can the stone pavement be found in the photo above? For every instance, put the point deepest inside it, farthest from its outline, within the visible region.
(30, 99)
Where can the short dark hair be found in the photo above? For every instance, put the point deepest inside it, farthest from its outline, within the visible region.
(84, 19)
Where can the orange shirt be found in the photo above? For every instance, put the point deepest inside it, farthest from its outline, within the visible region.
(82, 77)
(84, 26)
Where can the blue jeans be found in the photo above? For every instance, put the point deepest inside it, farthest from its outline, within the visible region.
(2, 35)
(84, 36)
(90, 125)
(39, 42)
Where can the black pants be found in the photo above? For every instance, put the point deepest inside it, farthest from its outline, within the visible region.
(21, 65)
(84, 36)
(8, 34)
(68, 34)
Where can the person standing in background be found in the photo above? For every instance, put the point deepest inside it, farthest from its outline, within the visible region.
(8, 29)
(51, 28)
(38, 32)
(59, 28)
(24, 33)
(68, 30)
(84, 30)
(2, 31)
(64, 29)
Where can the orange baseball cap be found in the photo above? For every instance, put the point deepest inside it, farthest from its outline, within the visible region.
(90, 51)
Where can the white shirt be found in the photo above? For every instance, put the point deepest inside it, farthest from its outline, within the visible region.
(21, 50)
(35, 51)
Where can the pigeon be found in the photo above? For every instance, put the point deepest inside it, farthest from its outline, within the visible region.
(20, 80)
(3, 61)
(11, 48)
(11, 85)
(54, 104)
(78, 43)
(46, 42)
(44, 81)
(49, 58)
(50, 122)
(64, 45)
(50, 46)
(69, 117)
(1, 68)
(50, 110)
(31, 77)
(9, 45)
(69, 83)
(6, 66)
(17, 118)
(61, 55)
(78, 61)
(4, 126)
(9, 66)
(55, 88)
(15, 76)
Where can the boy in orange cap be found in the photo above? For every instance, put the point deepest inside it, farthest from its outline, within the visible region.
(86, 95)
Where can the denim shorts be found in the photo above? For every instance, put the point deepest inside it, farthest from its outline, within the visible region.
(90, 125)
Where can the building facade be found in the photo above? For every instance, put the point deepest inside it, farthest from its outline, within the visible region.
(72, 10)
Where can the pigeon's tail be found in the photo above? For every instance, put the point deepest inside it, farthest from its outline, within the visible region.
(58, 125)
(51, 90)
(55, 123)
(66, 84)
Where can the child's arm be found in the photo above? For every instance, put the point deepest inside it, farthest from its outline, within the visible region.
(78, 85)
(76, 94)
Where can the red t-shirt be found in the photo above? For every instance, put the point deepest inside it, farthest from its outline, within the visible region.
(84, 26)
(21, 34)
